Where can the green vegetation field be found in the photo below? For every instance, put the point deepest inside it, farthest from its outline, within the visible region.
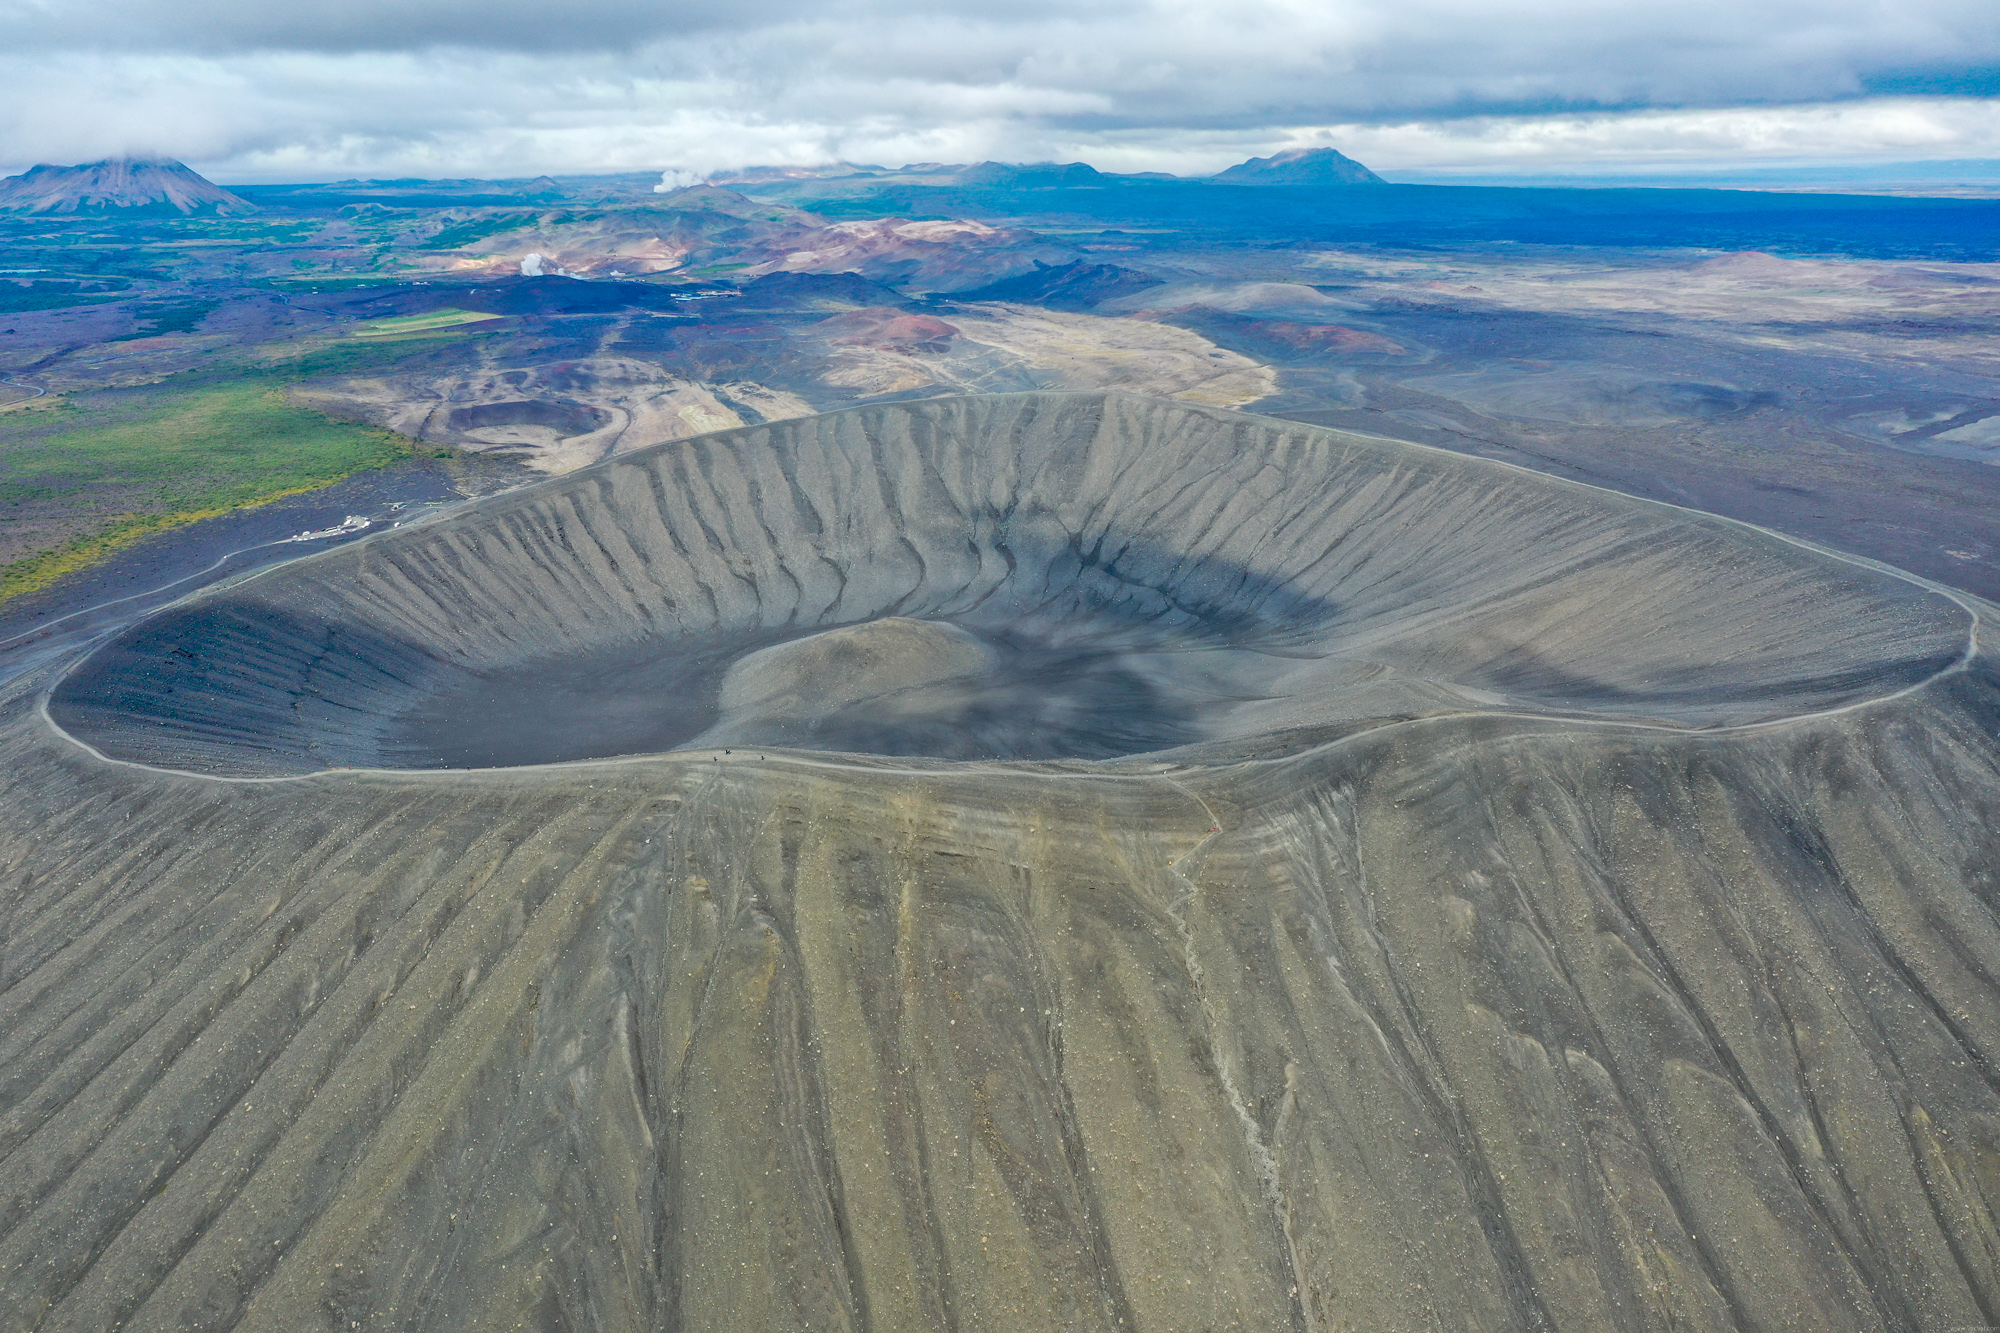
(19, 298)
(141, 463)
(478, 229)
(436, 319)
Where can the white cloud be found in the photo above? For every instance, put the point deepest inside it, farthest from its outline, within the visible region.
(1874, 130)
(501, 87)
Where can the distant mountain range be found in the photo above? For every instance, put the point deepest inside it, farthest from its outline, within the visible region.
(159, 185)
(1301, 166)
(122, 184)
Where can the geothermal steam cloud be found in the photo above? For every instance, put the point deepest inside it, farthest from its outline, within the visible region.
(1064, 861)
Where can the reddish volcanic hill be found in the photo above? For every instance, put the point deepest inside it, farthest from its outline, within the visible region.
(1326, 337)
(1276, 339)
(117, 183)
(890, 329)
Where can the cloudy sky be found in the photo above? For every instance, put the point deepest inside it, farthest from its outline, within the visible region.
(269, 90)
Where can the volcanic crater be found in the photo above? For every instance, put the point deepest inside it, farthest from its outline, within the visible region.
(1029, 577)
(1025, 862)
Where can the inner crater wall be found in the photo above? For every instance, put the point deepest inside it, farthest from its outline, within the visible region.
(1329, 576)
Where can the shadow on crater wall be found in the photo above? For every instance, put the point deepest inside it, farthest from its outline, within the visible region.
(565, 418)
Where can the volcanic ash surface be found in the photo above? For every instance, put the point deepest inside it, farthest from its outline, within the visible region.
(1033, 861)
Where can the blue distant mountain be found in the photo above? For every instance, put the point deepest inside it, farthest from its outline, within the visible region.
(1301, 166)
(1030, 175)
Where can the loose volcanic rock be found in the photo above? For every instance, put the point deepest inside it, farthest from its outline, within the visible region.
(1033, 861)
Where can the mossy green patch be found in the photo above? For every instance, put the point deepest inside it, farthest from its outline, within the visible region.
(436, 319)
(169, 459)
(20, 300)
(159, 320)
(477, 229)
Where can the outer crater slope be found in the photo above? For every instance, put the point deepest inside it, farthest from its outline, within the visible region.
(1037, 861)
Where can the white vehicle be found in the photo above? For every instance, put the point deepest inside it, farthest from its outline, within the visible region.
(352, 523)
